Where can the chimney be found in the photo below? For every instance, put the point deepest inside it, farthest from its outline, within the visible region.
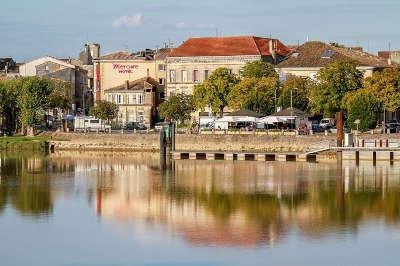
(272, 50)
(127, 85)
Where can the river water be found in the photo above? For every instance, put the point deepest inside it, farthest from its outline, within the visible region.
(90, 208)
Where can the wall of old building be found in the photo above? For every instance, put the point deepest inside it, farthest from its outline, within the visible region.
(114, 73)
(201, 64)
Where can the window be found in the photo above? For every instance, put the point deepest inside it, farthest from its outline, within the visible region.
(172, 75)
(195, 76)
(141, 116)
(131, 99)
(161, 67)
(184, 76)
(240, 72)
(161, 95)
(230, 71)
(119, 99)
(206, 74)
(139, 99)
(161, 81)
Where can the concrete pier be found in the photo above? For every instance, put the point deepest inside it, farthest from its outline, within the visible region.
(281, 157)
(241, 157)
(228, 156)
(261, 157)
(210, 156)
(301, 158)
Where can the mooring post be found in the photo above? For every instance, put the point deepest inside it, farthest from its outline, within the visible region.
(339, 127)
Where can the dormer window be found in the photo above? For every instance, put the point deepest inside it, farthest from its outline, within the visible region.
(328, 54)
(295, 54)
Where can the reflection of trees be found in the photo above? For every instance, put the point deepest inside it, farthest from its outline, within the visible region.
(25, 184)
(319, 206)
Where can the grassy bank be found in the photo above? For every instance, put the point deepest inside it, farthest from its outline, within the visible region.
(23, 143)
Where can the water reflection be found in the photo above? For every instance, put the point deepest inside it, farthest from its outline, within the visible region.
(246, 204)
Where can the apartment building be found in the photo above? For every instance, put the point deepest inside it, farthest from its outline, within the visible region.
(193, 61)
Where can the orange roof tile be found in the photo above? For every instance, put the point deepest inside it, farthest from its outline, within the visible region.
(229, 46)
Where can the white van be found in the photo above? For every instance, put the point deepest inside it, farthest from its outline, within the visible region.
(90, 123)
(327, 123)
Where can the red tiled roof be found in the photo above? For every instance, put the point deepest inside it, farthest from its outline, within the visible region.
(229, 46)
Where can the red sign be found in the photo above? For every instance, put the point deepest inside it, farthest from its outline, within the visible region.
(125, 69)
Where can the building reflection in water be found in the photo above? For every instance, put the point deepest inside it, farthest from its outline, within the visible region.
(220, 203)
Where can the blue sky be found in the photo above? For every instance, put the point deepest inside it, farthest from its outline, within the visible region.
(31, 29)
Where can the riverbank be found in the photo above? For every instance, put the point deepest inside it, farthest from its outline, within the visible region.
(23, 143)
(190, 142)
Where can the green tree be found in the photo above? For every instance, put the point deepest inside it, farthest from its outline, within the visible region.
(8, 105)
(300, 87)
(59, 96)
(255, 94)
(177, 108)
(259, 69)
(104, 110)
(334, 81)
(32, 100)
(363, 105)
(386, 86)
(215, 90)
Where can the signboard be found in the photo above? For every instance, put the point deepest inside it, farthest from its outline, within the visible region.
(125, 69)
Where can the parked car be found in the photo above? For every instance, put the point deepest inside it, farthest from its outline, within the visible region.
(316, 128)
(134, 125)
(327, 123)
(393, 126)
(346, 129)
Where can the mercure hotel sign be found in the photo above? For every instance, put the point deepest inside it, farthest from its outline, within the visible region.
(125, 68)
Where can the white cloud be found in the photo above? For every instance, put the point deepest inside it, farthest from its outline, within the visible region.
(128, 21)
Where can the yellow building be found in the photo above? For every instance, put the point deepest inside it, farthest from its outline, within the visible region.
(194, 61)
(113, 71)
(135, 100)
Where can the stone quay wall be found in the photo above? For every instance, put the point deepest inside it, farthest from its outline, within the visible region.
(191, 142)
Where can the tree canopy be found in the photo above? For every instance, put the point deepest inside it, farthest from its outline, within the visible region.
(215, 90)
(386, 86)
(178, 108)
(256, 94)
(362, 105)
(300, 88)
(104, 110)
(259, 69)
(334, 81)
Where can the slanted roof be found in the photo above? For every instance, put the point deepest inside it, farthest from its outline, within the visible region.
(162, 53)
(319, 54)
(229, 46)
(118, 56)
(137, 85)
(245, 112)
(290, 112)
